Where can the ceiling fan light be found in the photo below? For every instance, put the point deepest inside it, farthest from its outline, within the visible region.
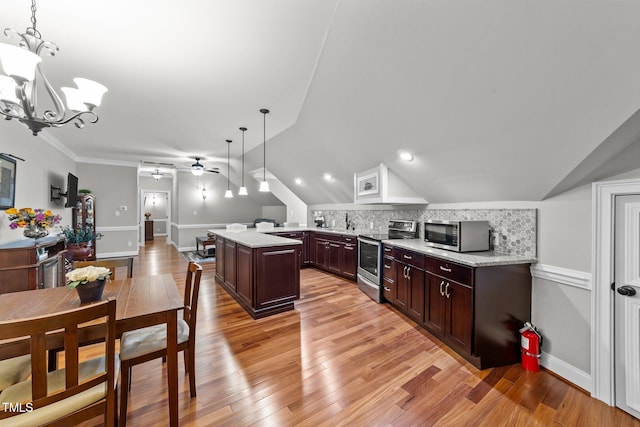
(243, 191)
(264, 186)
(18, 63)
(228, 194)
(197, 170)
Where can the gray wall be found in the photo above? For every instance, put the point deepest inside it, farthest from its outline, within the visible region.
(115, 187)
(192, 215)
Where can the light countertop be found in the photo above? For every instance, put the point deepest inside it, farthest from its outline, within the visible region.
(254, 239)
(471, 259)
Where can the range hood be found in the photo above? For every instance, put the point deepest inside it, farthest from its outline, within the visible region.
(380, 185)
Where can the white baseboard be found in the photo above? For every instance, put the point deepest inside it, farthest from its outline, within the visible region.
(567, 371)
(183, 248)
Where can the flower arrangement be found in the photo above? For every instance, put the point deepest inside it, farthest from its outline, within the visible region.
(26, 217)
(87, 274)
(147, 215)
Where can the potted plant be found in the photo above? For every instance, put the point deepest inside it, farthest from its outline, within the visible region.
(88, 281)
(79, 242)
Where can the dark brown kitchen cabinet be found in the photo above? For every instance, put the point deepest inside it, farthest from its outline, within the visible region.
(388, 274)
(230, 264)
(335, 253)
(349, 260)
(449, 311)
(410, 284)
(334, 258)
(220, 258)
(244, 279)
(263, 280)
(477, 311)
(303, 236)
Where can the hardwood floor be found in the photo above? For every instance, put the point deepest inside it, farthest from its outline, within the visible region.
(340, 359)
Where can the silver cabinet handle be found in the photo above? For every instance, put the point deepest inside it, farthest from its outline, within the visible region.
(387, 249)
(387, 289)
(448, 270)
(446, 291)
(387, 266)
(404, 272)
(409, 273)
(441, 290)
(407, 257)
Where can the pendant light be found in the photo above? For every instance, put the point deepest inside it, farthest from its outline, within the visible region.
(228, 194)
(243, 190)
(264, 185)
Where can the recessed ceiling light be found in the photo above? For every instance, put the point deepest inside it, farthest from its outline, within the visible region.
(405, 155)
(298, 181)
(328, 177)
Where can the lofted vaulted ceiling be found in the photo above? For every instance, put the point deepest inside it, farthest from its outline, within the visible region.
(498, 100)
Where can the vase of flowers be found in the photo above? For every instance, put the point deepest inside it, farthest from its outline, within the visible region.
(88, 281)
(36, 222)
(147, 215)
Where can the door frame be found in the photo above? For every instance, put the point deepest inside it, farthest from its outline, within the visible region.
(143, 193)
(602, 274)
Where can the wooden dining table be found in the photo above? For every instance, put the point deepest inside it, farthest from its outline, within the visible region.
(141, 301)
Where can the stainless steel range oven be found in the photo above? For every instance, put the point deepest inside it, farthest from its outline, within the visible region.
(370, 255)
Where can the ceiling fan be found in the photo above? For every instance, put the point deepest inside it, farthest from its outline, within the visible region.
(198, 168)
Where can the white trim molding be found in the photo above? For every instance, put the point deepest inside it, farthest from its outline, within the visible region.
(567, 371)
(208, 226)
(117, 254)
(564, 276)
(112, 229)
(602, 274)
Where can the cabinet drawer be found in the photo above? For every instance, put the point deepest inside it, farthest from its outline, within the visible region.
(411, 258)
(388, 269)
(329, 236)
(350, 239)
(449, 270)
(387, 250)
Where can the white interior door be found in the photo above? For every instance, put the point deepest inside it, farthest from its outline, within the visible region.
(627, 304)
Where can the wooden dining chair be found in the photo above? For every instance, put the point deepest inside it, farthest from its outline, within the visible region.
(110, 263)
(141, 345)
(78, 392)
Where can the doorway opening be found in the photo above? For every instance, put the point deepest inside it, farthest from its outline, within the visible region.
(155, 215)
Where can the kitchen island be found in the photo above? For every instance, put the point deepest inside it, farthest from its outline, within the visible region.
(260, 271)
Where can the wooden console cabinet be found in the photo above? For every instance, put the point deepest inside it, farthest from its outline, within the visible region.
(23, 269)
(477, 311)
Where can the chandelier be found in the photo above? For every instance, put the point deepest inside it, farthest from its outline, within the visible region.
(24, 78)
(157, 174)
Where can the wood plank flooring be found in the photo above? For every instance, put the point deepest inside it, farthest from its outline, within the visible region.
(339, 359)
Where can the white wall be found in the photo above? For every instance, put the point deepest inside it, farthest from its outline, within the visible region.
(44, 166)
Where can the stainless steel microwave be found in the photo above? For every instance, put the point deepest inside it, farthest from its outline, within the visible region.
(459, 236)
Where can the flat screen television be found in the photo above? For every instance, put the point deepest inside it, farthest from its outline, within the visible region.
(72, 191)
(7, 182)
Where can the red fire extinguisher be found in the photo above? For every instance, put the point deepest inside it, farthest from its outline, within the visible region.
(530, 343)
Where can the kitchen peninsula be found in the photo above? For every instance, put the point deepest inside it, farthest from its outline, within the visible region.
(260, 271)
